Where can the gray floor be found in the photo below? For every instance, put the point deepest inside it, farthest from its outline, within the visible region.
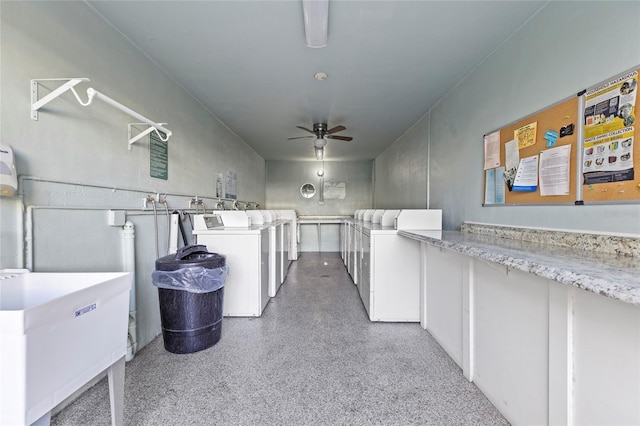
(312, 358)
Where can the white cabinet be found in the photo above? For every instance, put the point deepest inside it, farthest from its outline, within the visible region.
(445, 285)
(510, 323)
(393, 277)
(606, 360)
(541, 351)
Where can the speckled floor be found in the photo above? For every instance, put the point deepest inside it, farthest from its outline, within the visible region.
(313, 358)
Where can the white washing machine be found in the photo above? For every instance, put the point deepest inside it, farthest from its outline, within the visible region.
(246, 290)
(387, 271)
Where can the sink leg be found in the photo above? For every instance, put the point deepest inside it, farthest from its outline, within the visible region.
(116, 392)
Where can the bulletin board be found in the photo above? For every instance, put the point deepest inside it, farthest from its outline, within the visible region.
(604, 159)
(553, 118)
(613, 141)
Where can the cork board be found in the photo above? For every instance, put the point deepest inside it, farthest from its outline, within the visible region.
(553, 118)
(610, 152)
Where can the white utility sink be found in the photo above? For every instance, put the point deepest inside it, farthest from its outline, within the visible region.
(57, 332)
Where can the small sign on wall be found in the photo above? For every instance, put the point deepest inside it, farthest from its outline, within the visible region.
(230, 185)
(158, 156)
(335, 190)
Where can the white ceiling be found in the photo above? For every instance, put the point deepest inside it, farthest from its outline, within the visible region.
(388, 62)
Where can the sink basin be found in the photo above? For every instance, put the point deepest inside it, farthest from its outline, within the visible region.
(58, 331)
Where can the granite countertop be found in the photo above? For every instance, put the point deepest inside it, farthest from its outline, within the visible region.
(610, 275)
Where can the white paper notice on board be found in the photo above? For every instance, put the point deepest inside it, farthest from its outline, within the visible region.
(512, 154)
(500, 186)
(554, 171)
(494, 186)
(492, 150)
(490, 186)
(527, 175)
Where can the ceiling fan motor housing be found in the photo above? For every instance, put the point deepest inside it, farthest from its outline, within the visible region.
(320, 129)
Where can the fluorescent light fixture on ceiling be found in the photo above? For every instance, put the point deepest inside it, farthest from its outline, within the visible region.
(316, 22)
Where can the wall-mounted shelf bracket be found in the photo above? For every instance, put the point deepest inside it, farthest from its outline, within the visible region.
(136, 138)
(70, 83)
(36, 103)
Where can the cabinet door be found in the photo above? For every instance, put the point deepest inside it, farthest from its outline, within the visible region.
(444, 286)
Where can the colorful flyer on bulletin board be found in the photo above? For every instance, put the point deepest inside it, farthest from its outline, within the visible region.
(608, 157)
(611, 105)
(609, 117)
(526, 135)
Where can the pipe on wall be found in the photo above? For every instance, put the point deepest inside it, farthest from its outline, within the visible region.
(20, 233)
(28, 239)
(129, 265)
(173, 233)
(22, 178)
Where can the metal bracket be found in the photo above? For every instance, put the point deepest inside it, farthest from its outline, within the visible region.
(134, 139)
(36, 103)
(70, 83)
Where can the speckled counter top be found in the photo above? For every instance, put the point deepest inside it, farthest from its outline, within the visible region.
(611, 275)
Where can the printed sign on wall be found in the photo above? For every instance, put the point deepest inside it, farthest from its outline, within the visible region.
(158, 156)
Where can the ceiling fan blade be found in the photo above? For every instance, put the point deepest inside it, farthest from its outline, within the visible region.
(305, 129)
(301, 137)
(341, 138)
(336, 129)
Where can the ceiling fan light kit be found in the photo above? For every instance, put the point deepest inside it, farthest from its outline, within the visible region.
(321, 133)
(320, 143)
(316, 22)
(318, 147)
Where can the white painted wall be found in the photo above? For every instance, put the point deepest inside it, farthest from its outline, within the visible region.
(401, 172)
(559, 52)
(87, 146)
(284, 179)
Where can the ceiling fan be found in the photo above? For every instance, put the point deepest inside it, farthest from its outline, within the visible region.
(321, 134)
(320, 131)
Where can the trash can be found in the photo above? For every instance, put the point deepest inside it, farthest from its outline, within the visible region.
(190, 288)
